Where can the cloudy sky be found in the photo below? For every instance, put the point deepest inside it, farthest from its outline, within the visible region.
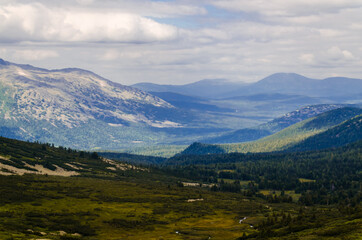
(183, 41)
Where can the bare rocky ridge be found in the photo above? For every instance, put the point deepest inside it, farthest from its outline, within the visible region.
(74, 96)
(75, 107)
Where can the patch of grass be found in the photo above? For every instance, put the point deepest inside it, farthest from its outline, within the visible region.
(304, 180)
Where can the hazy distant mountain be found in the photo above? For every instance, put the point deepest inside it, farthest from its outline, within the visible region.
(277, 93)
(190, 102)
(207, 88)
(279, 85)
(291, 83)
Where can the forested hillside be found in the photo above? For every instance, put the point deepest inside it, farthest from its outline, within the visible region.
(321, 177)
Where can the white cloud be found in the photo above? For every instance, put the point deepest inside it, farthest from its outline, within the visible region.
(336, 54)
(332, 57)
(37, 22)
(237, 39)
(307, 58)
(110, 55)
(288, 7)
(148, 8)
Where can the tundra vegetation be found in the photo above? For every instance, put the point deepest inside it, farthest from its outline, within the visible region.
(309, 195)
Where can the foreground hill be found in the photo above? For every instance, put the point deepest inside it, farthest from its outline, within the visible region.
(19, 158)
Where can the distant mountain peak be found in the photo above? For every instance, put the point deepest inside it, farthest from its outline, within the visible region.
(285, 74)
(289, 77)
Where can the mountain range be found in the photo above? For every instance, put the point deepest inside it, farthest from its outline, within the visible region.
(207, 88)
(80, 109)
(271, 87)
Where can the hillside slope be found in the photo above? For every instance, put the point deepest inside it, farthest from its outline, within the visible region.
(348, 132)
(276, 125)
(297, 132)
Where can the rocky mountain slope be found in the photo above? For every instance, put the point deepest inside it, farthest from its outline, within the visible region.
(73, 96)
(59, 106)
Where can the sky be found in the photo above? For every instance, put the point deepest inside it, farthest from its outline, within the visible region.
(183, 41)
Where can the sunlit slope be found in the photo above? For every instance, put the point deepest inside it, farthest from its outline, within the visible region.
(274, 126)
(347, 132)
(297, 132)
(288, 137)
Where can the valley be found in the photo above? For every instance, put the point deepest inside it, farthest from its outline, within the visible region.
(180, 120)
(82, 157)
